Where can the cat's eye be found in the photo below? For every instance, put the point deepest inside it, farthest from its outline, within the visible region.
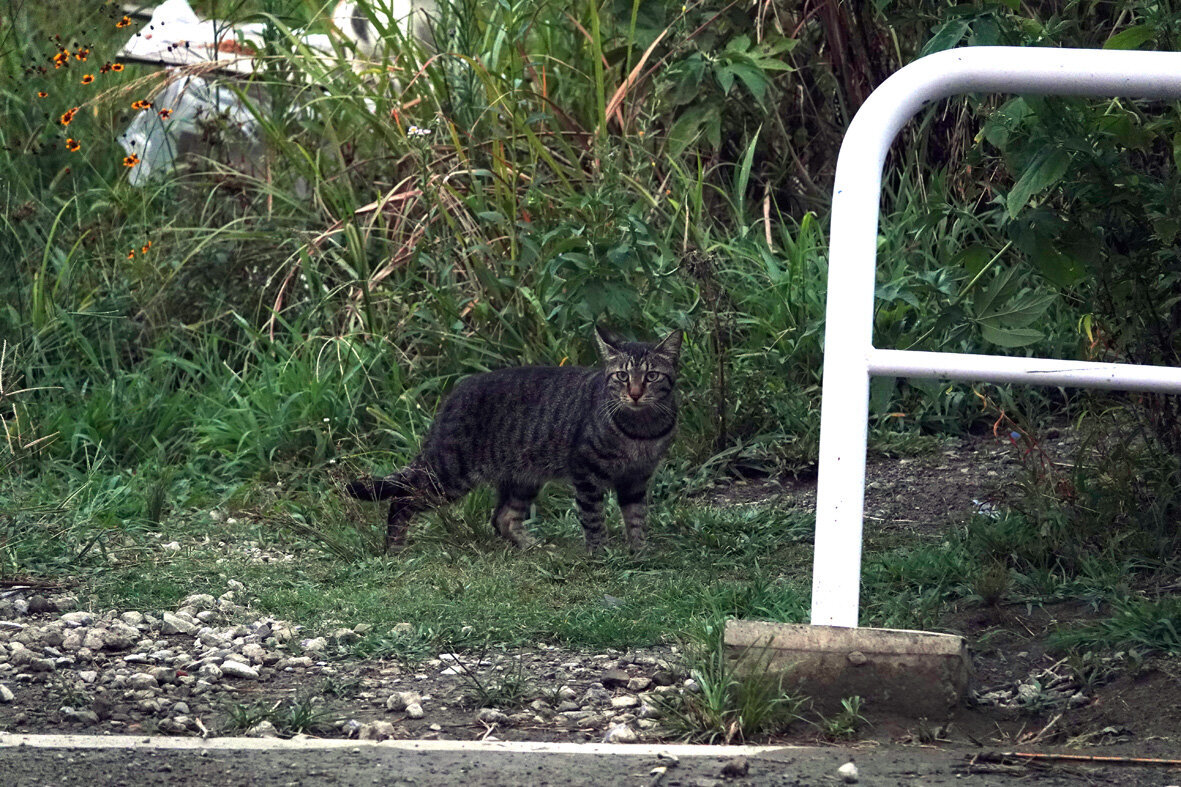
(652, 376)
(621, 376)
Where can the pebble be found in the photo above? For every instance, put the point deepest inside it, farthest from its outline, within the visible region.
(492, 716)
(848, 773)
(621, 733)
(6, 694)
(736, 768)
(615, 679)
(376, 731)
(236, 669)
(264, 729)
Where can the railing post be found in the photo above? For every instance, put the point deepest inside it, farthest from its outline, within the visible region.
(849, 355)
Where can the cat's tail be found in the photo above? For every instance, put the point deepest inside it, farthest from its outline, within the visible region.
(409, 482)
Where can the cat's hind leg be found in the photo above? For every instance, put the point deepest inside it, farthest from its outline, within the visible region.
(409, 491)
(513, 504)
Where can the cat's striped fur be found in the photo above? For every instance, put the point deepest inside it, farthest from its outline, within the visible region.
(602, 429)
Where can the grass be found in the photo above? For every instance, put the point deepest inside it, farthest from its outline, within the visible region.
(734, 701)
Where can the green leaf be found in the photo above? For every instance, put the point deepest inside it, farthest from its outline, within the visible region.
(1004, 286)
(973, 259)
(1010, 337)
(752, 78)
(1061, 269)
(881, 392)
(1021, 312)
(1047, 168)
(1132, 38)
(687, 128)
(742, 179)
(948, 35)
(724, 76)
(738, 44)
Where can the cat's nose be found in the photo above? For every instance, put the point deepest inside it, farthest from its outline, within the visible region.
(635, 393)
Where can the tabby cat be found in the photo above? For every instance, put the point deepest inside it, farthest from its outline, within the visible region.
(602, 428)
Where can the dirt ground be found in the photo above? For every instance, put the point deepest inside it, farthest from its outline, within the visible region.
(1023, 699)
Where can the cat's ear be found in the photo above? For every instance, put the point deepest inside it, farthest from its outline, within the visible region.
(608, 342)
(670, 346)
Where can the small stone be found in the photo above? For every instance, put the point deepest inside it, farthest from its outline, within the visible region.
(491, 716)
(171, 546)
(1028, 692)
(376, 731)
(198, 600)
(77, 619)
(345, 636)
(637, 685)
(264, 729)
(649, 711)
(614, 679)
(402, 700)
(210, 672)
(736, 768)
(236, 669)
(621, 733)
(180, 709)
(567, 693)
(626, 701)
(39, 605)
(294, 662)
(314, 645)
(141, 681)
(848, 773)
(402, 630)
(173, 624)
(414, 710)
(664, 678)
(87, 675)
(174, 726)
(86, 716)
(6, 694)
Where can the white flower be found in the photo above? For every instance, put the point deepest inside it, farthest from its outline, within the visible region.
(415, 131)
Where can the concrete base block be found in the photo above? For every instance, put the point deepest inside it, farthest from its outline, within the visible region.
(907, 673)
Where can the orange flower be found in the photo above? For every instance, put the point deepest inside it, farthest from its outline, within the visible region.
(117, 67)
(145, 248)
(68, 116)
(104, 68)
(87, 79)
(131, 254)
(42, 94)
(131, 160)
(141, 104)
(124, 22)
(61, 58)
(82, 54)
(73, 145)
(165, 114)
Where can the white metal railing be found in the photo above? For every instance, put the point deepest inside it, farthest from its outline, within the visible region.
(850, 357)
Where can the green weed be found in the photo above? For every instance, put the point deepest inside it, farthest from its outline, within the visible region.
(734, 700)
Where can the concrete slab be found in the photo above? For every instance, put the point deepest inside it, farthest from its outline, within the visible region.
(917, 674)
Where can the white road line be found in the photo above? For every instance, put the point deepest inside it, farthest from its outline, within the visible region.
(11, 740)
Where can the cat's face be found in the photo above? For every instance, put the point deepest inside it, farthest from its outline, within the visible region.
(639, 374)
